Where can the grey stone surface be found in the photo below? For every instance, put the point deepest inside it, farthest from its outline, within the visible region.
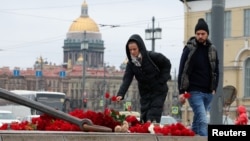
(89, 136)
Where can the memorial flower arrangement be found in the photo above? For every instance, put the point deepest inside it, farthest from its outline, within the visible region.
(109, 118)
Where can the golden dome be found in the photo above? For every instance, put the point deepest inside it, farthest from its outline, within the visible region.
(84, 24)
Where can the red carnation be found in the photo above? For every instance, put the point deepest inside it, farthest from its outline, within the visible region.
(107, 95)
(132, 120)
(242, 116)
(113, 98)
(241, 109)
(158, 129)
(4, 126)
(176, 132)
(165, 130)
(107, 111)
(187, 95)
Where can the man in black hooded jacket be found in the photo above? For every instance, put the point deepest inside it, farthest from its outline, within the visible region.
(152, 71)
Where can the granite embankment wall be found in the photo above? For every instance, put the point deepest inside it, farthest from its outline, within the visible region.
(89, 136)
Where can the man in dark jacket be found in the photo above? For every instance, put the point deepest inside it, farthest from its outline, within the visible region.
(198, 75)
(152, 71)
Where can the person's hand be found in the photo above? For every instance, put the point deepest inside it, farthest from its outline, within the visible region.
(182, 99)
(213, 92)
(118, 98)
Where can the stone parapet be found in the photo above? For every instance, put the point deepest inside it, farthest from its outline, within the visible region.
(11, 135)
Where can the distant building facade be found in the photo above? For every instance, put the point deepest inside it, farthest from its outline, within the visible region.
(98, 83)
(68, 77)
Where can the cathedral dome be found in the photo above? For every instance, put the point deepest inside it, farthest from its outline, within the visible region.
(84, 24)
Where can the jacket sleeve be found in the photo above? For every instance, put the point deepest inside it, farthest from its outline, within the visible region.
(181, 67)
(126, 81)
(164, 65)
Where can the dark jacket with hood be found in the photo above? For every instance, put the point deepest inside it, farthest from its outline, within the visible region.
(152, 77)
(199, 67)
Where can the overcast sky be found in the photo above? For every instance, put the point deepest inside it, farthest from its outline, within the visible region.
(34, 28)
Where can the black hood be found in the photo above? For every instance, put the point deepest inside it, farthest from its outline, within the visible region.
(142, 48)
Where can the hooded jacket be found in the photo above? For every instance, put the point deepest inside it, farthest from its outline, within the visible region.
(152, 76)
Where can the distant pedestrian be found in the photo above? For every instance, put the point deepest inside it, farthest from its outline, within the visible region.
(198, 75)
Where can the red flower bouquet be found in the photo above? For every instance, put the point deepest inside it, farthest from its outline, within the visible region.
(109, 118)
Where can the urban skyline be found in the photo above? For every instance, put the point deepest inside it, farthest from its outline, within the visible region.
(40, 28)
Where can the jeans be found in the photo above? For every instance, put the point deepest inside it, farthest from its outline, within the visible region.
(200, 103)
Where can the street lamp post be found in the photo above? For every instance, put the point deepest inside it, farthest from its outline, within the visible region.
(84, 48)
(153, 33)
(104, 86)
(175, 109)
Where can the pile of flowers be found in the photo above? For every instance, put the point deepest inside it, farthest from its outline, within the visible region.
(109, 118)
